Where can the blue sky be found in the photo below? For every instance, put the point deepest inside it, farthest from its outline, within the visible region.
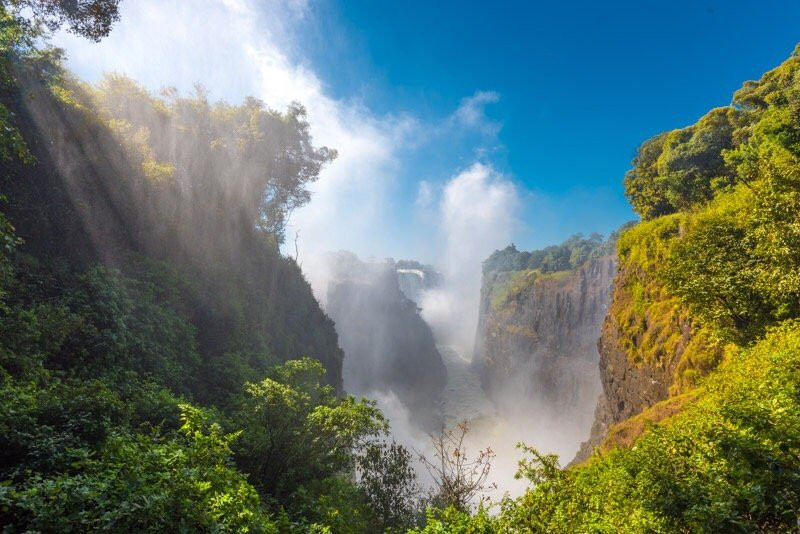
(567, 72)
(581, 83)
(543, 102)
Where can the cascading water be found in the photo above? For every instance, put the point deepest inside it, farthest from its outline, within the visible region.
(412, 283)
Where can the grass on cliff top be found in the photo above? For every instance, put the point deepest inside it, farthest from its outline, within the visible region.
(624, 434)
(507, 286)
(653, 325)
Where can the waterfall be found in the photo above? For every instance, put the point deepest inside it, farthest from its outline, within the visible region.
(412, 283)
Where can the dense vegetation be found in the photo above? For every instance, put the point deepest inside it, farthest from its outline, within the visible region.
(728, 463)
(153, 340)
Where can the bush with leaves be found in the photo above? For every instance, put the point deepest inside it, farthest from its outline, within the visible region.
(389, 482)
(295, 430)
(143, 483)
(730, 462)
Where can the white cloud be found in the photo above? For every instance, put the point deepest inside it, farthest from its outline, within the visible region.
(471, 112)
(478, 213)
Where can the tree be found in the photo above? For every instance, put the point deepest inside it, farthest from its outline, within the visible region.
(296, 430)
(390, 484)
(457, 478)
(244, 166)
(712, 268)
(676, 170)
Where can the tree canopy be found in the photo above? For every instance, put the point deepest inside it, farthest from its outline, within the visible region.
(570, 254)
(92, 19)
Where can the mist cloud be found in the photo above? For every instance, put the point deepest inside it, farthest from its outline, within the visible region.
(477, 214)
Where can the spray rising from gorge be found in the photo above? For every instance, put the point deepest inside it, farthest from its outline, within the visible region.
(526, 370)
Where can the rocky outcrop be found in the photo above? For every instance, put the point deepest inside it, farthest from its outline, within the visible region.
(537, 337)
(630, 387)
(387, 345)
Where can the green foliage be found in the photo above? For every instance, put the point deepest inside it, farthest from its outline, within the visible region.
(16, 39)
(45, 428)
(454, 521)
(245, 161)
(134, 324)
(210, 216)
(91, 19)
(390, 484)
(8, 242)
(144, 483)
(737, 264)
(104, 449)
(148, 290)
(682, 168)
(89, 430)
(732, 261)
(727, 463)
(714, 269)
(11, 142)
(99, 321)
(296, 430)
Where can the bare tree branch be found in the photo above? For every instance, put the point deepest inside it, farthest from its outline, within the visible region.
(458, 478)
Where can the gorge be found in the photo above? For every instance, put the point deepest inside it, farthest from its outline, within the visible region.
(177, 356)
(534, 375)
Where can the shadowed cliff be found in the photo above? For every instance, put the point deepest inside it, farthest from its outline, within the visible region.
(388, 346)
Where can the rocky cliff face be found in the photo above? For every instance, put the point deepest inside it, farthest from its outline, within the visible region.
(650, 348)
(537, 338)
(630, 385)
(387, 345)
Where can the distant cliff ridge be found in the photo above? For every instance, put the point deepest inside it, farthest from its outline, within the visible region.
(387, 345)
(537, 338)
